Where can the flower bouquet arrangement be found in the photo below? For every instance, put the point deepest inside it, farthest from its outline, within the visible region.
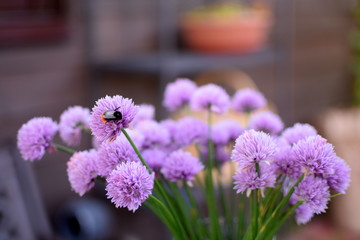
(176, 167)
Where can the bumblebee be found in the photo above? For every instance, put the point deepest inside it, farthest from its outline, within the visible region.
(111, 115)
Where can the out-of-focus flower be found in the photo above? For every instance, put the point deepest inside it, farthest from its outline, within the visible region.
(267, 122)
(72, 121)
(298, 132)
(226, 131)
(34, 137)
(114, 153)
(253, 147)
(108, 130)
(178, 93)
(211, 97)
(340, 180)
(249, 179)
(82, 171)
(155, 158)
(181, 165)
(129, 185)
(222, 154)
(171, 126)
(146, 112)
(154, 134)
(316, 155)
(248, 100)
(189, 131)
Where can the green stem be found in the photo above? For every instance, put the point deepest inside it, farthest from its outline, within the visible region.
(158, 187)
(63, 148)
(335, 195)
(157, 207)
(270, 205)
(240, 218)
(275, 214)
(136, 150)
(283, 219)
(182, 209)
(254, 213)
(225, 211)
(86, 130)
(194, 211)
(215, 230)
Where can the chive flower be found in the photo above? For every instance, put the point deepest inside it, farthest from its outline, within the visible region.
(82, 171)
(298, 132)
(108, 130)
(34, 137)
(72, 122)
(267, 122)
(178, 94)
(129, 185)
(253, 147)
(315, 155)
(211, 97)
(114, 153)
(248, 100)
(181, 165)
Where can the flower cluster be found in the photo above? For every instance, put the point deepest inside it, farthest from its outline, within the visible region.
(141, 160)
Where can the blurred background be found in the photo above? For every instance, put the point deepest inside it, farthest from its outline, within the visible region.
(303, 55)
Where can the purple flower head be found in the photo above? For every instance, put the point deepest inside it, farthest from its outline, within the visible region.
(72, 121)
(129, 185)
(210, 96)
(154, 158)
(114, 153)
(285, 163)
(108, 130)
(316, 155)
(171, 126)
(303, 214)
(313, 191)
(188, 131)
(222, 154)
(248, 179)
(340, 180)
(146, 112)
(226, 131)
(178, 93)
(267, 122)
(298, 132)
(248, 100)
(253, 147)
(154, 134)
(81, 170)
(181, 165)
(35, 137)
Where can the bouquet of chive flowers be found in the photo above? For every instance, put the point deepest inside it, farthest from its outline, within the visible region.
(177, 168)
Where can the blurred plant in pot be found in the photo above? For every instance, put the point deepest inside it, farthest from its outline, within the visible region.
(226, 27)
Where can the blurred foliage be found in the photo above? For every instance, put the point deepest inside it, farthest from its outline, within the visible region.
(355, 44)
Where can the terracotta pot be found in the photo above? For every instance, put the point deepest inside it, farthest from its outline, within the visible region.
(243, 32)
